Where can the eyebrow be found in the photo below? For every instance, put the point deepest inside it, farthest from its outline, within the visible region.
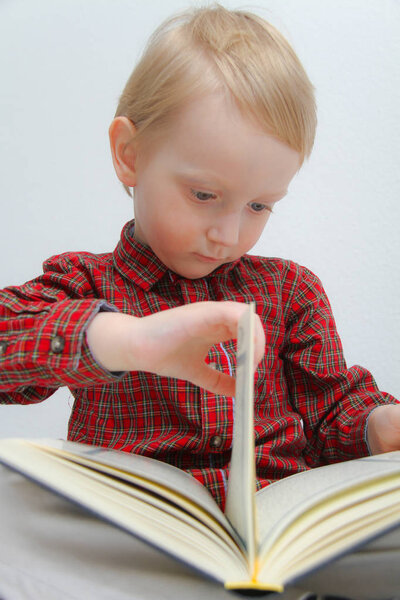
(201, 176)
(279, 195)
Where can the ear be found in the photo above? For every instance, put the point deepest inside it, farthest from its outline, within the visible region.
(123, 149)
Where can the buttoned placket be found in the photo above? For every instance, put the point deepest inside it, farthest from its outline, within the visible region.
(215, 430)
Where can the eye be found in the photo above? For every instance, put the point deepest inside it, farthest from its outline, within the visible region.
(258, 207)
(202, 196)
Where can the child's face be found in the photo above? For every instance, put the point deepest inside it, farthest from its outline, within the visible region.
(203, 195)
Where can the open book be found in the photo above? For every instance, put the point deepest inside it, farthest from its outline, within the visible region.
(265, 540)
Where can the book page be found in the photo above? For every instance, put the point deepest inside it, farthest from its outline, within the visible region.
(202, 508)
(166, 527)
(284, 500)
(160, 473)
(313, 517)
(240, 502)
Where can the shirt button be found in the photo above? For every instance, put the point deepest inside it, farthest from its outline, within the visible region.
(57, 344)
(3, 348)
(216, 441)
(213, 365)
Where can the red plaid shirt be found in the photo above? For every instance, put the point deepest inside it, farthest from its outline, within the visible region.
(310, 409)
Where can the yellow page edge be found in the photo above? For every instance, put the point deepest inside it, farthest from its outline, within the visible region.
(252, 585)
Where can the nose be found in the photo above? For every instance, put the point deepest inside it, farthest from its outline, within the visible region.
(225, 229)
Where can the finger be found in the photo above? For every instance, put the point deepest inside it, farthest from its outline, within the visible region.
(259, 341)
(216, 321)
(215, 381)
(221, 324)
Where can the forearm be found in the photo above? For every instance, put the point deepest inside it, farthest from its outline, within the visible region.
(334, 401)
(171, 343)
(344, 431)
(110, 337)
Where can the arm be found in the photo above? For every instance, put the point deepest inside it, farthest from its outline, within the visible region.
(334, 401)
(173, 343)
(53, 333)
(42, 342)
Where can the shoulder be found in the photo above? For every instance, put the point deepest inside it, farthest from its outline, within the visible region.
(77, 261)
(293, 285)
(80, 272)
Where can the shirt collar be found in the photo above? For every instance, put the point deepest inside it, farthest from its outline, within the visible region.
(139, 263)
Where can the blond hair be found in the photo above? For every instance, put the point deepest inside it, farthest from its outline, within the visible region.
(206, 49)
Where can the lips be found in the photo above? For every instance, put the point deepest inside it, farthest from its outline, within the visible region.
(209, 259)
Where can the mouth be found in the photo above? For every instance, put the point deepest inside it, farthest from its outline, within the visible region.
(208, 259)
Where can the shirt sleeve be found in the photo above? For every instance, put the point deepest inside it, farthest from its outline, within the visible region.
(42, 335)
(334, 401)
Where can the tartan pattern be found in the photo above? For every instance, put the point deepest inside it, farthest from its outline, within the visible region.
(310, 409)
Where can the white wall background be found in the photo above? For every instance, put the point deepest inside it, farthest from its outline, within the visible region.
(63, 64)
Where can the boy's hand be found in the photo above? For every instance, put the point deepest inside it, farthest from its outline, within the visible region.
(384, 429)
(173, 343)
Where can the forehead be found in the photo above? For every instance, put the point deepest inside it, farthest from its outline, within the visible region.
(211, 135)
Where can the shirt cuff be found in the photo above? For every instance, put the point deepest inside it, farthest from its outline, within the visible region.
(366, 431)
(53, 352)
(355, 434)
(63, 348)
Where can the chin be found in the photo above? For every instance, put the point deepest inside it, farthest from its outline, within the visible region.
(193, 273)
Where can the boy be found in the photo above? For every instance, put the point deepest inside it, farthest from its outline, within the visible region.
(212, 126)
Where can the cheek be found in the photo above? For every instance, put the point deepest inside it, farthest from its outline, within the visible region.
(171, 231)
(254, 229)
(182, 225)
